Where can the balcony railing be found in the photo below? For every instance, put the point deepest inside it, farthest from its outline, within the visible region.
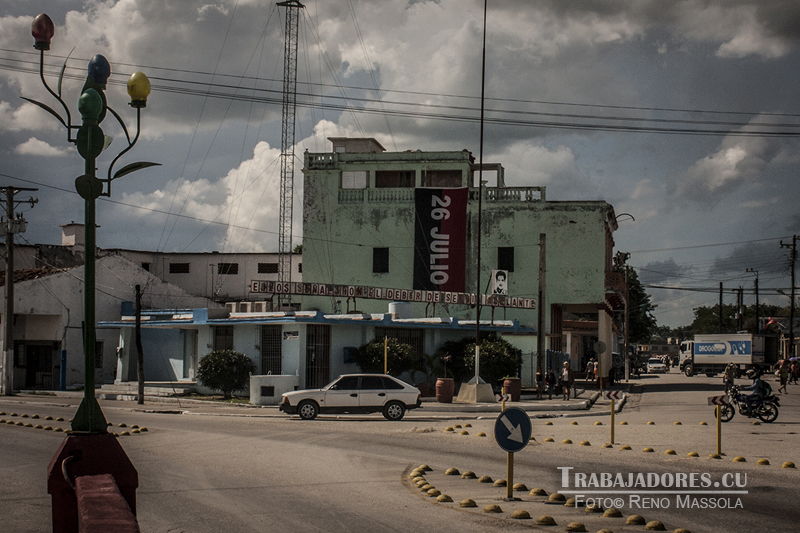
(490, 195)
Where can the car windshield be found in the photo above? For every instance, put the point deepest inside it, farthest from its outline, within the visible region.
(655, 361)
(342, 382)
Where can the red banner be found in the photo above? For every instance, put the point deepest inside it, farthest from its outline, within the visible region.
(440, 239)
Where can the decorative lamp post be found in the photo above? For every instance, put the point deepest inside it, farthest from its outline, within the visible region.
(91, 141)
(89, 449)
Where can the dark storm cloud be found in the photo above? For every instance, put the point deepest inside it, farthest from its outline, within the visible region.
(662, 272)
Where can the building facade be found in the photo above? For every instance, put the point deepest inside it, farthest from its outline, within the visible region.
(409, 220)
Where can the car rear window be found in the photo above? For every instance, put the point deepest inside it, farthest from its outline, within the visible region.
(391, 384)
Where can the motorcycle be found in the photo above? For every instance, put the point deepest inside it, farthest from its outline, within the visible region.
(765, 408)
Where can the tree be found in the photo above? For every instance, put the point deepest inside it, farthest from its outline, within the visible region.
(400, 357)
(706, 319)
(499, 358)
(225, 371)
(641, 322)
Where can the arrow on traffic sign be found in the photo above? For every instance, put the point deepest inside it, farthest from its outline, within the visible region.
(614, 395)
(515, 433)
(503, 397)
(718, 400)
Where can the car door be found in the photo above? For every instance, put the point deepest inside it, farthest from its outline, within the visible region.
(372, 394)
(343, 394)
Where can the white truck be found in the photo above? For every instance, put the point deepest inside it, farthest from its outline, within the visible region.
(710, 354)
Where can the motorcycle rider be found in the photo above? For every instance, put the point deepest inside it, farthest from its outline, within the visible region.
(759, 391)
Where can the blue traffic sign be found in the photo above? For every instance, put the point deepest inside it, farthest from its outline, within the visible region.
(512, 429)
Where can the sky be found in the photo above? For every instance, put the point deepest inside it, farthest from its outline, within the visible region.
(684, 116)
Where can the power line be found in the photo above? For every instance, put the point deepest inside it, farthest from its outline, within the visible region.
(417, 110)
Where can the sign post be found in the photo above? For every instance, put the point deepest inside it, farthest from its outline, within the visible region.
(719, 401)
(613, 395)
(512, 431)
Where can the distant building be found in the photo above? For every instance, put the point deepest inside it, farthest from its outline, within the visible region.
(408, 220)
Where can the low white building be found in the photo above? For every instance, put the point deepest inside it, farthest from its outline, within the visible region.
(310, 347)
(48, 313)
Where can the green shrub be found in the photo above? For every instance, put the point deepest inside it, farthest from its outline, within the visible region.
(499, 358)
(401, 358)
(225, 371)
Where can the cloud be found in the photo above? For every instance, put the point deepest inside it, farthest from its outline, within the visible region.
(742, 30)
(529, 165)
(738, 161)
(245, 201)
(26, 117)
(35, 147)
(662, 271)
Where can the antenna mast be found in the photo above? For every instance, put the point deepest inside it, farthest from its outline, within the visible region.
(287, 147)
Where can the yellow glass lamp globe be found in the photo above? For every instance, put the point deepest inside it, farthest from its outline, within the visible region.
(138, 89)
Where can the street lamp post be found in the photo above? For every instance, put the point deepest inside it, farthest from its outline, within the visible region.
(91, 141)
(89, 449)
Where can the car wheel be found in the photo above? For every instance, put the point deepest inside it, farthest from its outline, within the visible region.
(394, 411)
(308, 410)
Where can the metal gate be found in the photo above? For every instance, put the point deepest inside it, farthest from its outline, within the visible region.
(318, 355)
(271, 351)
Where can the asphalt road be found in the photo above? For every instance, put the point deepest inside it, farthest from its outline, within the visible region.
(205, 468)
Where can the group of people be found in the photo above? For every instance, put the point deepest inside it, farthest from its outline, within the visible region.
(549, 381)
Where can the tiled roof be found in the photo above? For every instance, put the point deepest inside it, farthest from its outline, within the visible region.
(27, 274)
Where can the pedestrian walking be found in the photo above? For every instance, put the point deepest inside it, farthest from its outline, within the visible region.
(567, 378)
(539, 383)
(550, 380)
(590, 369)
(783, 376)
(729, 376)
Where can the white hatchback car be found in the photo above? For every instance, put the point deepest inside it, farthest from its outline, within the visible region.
(656, 366)
(354, 393)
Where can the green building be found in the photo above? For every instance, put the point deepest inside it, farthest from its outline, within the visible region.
(409, 221)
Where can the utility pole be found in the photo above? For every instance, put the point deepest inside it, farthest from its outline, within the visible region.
(11, 226)
(540, 339)
(792, 260)
(287, 147)
(720, 308)
(755, 284)
(739, 308)
(627, 325)
(139, 351)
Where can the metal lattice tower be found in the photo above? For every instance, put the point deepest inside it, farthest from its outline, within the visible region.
(287, 146)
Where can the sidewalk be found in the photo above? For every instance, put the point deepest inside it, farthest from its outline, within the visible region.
(582, 405)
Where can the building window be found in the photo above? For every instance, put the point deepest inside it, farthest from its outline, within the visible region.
(505, 258)
(354, 179)
(227, 268)
(300, 268)
(223, 338)
(441, 178)
(395, 178)
(268, 268)
(179, 268)
(146, 266)
(380, 260)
